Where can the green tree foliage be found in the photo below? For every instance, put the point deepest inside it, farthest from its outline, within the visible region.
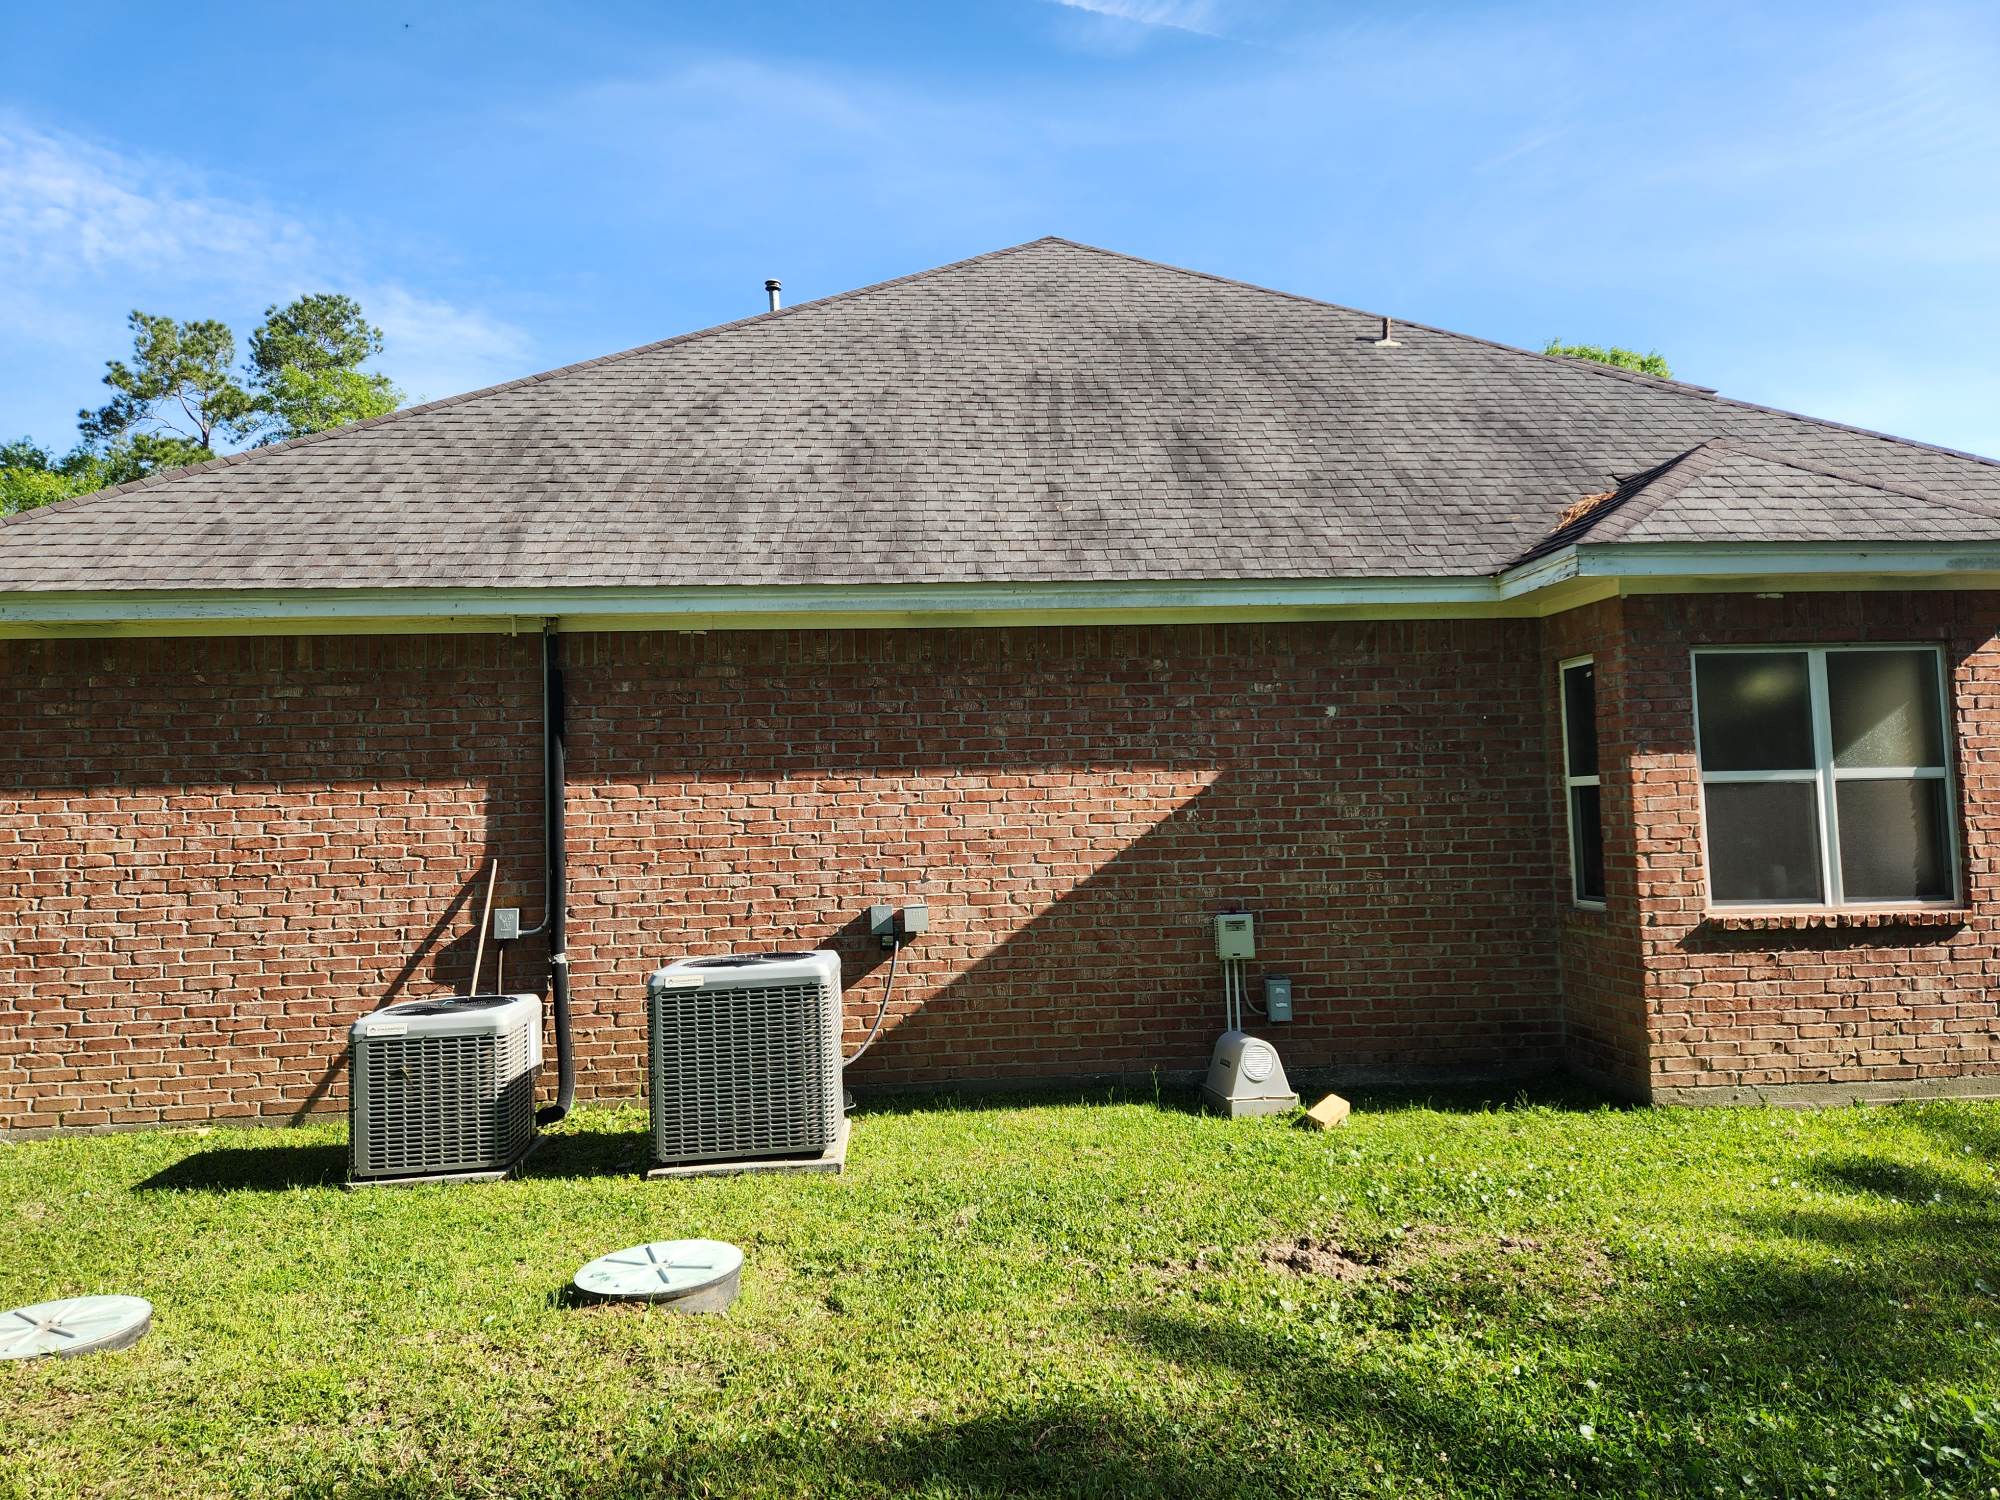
(178, 385)
(178, 399)
(305, 367)
(1650, 363)
(31, 475)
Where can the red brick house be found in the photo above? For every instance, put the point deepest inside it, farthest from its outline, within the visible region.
(1549, 716)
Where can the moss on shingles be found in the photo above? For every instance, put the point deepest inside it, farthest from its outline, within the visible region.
(1060, 1295)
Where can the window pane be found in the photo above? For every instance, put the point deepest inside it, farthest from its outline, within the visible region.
(1894, 845)
(1755, 711)
(1580, 718)
(1586, 854)
(1884, 706)
(1763, 841)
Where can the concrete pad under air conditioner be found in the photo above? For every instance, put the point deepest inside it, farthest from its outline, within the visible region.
(833, 1159)
(494, 1174)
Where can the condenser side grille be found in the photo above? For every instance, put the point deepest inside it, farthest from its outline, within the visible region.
(429, 1104)
(744, 1071)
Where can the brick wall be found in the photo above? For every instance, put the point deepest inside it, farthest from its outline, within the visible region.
(1603, 972)
(1075, 805)
(213, 854)
(1816, 1012)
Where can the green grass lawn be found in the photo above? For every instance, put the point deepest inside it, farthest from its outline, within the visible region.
(1089, 1296)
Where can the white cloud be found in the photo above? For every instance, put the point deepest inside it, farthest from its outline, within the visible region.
(1197, 16)
(88, 232)
(69, 209)
(437, 348)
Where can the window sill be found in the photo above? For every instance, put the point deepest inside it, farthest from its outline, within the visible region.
(1726, 920)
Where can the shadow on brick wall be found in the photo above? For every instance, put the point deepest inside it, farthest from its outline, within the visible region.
(450, 969)
(1707, 937)
(1406, 951)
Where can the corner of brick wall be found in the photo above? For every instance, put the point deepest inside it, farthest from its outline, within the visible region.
(1605, 1034)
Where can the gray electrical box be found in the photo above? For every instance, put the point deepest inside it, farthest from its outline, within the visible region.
(506, 924)
(893, 925)
(1235, 935)
(1277, 997)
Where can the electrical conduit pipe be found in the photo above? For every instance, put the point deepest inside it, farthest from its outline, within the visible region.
(555, 874)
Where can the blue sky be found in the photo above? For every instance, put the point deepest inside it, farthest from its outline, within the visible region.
(1797, 204)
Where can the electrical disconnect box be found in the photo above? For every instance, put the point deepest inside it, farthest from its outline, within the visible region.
(506, 924)
(897, 926)
(1277, 997)
(1235, 935)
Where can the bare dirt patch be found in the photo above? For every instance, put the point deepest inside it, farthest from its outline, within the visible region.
(1459, 1256)
(1317, 1255)
(1208, 1258)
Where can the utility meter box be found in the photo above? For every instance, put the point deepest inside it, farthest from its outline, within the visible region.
(1235, 935)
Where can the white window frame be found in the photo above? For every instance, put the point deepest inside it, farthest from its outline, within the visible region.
(1572, 782)
(1827, 777)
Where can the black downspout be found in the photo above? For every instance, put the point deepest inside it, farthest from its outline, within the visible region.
(554, 731)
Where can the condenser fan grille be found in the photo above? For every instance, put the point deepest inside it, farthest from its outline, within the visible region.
(744, 1070)
(428, 1104)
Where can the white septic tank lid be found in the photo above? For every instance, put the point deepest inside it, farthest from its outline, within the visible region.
(74, 1325)
(703, 1274)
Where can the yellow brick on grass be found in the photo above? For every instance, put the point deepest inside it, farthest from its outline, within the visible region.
(1329, 1112)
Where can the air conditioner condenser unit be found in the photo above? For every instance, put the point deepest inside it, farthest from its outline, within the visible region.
(443, 1088)
(744, 1057)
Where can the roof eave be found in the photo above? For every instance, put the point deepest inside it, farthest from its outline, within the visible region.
(729, 606)
(1687, 567)
(1542, 586)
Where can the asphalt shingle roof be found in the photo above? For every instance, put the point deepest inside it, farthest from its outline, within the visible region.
(1048, 413)
(1727, 489)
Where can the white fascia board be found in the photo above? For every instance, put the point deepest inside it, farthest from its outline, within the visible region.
(1542, 573)
(1547, 585)
(1799, 559)
(1666, 567)
(720, 606)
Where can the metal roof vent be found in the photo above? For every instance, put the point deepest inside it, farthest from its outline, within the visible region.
(1388, 339)
(771, 289)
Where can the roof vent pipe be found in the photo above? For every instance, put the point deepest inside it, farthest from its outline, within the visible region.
(1388, 339)
(771, 290)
